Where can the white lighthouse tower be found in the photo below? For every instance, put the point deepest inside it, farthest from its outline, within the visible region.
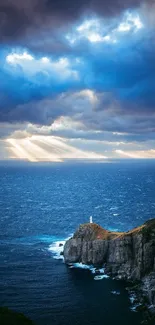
(91, 219)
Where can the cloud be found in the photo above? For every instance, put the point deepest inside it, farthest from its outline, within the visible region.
(51, 148)
(19, 18)
(40, 148)
(30, 66)
(124, 68)
(95, 30)
(141, 154)
(26, 81)
(83, 72)
(83, 114)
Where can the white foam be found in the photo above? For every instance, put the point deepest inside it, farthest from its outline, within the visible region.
(56, 248)
(101, 277)
(135, 305)
(134, 308)
(117, 293)
(93, 270)
(99, 207)
(151, 306)
(82, 266)
(105, 276)
(99, 273)
(114, 208)
(132, 298)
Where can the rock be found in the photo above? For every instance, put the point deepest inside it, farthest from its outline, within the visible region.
(129, 255)
(60, 245)
(88, 245)
(9, 317)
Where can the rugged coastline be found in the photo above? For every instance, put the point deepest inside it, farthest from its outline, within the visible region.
(126, 256)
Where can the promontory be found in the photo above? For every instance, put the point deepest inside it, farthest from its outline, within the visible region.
(124, 255)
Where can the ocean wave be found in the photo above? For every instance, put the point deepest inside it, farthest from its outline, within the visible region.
(101, 277)
(56, 248)
(116, 293)
(135, 307)
(99, 207)
(132, 298)
(99, 274)
(82, 266)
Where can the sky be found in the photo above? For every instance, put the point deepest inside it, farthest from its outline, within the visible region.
(77, 79)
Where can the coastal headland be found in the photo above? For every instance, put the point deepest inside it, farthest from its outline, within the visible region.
(124, 255)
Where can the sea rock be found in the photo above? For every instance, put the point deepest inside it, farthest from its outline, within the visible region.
(129, 255)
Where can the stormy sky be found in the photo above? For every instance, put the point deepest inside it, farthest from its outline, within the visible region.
(77, 79)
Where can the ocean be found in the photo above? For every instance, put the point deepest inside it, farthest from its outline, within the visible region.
(41, 205)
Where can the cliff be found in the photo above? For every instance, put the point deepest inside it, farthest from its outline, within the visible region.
(129, 255)
(9, 317)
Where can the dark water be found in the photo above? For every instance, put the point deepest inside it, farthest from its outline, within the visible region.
(42, 205)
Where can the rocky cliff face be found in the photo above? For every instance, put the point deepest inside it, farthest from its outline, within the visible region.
(129, 255)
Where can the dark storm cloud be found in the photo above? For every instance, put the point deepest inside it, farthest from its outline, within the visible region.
(121, 75)
(19, 18)
(96, 124)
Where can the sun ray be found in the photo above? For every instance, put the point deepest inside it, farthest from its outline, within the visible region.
(48, 148)
(40, 153)
(19, 151)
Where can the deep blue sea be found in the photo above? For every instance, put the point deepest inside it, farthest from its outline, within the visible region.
(42, 205)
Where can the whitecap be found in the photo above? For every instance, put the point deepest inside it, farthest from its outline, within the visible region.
(97, 272)
(82, 266)
(79, 266)
(135, 305)
(56, 248)
(134, 308)
(105, 276)
(101, 271)
(101, 277)
(99, 207)
(117, 293)
(132, 298)
(113, 208)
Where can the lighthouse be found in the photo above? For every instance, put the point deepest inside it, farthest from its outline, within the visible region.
(91, 219)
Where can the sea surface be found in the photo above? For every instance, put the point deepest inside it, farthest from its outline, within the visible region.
(41, 206)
